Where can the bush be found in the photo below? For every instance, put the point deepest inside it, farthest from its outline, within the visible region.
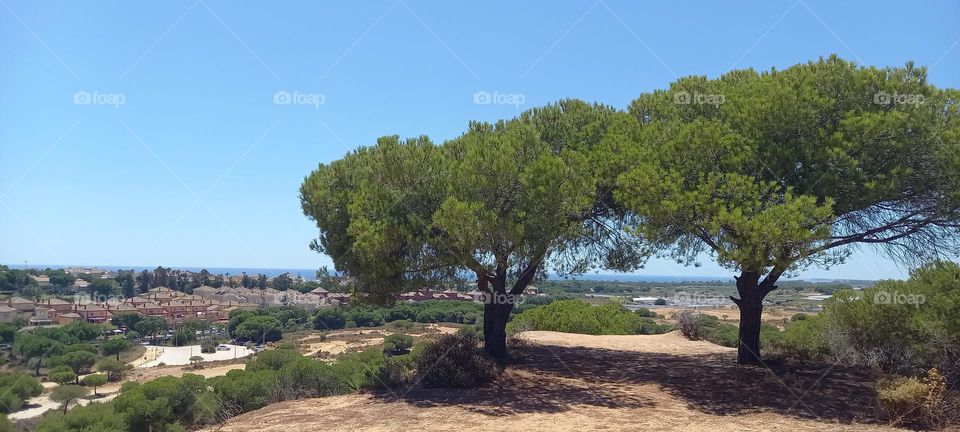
(397, 343)
(396, 371)
(364, 317)
(454, 362)
(305, 377)
(916, 402)
(577, 316)
(272, 359)
(329, 319)
(645, 313)
(208, 346)
(259, 329)
(15, 388)
(692, 324)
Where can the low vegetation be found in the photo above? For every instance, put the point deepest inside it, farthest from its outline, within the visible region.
(432, 311)
(191, 401)
(577, 316)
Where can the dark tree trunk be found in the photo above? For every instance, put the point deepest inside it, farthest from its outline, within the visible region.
(495, 316)
(752, 292)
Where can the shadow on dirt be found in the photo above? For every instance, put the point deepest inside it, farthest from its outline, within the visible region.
(550, 379)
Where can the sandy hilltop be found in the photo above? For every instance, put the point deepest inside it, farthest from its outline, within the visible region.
(578, 382)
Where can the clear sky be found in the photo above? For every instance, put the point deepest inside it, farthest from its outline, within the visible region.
(146, 133)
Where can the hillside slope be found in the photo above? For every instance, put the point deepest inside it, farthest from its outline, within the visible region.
(577, 382)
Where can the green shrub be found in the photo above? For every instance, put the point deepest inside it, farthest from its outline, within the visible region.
(15, 388)
(396, 371)
(921, 403)
(208, 346)
(577, 316)
(245, 390)
(306, 377)
(645, 313)
(456, 362)
(397, 343)
(329, 319)
(272, 359)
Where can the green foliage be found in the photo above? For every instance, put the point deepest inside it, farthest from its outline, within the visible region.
(62, 375)
(920, 403)
(265, 323)
(79, 361)
(113, 368)
(67, 394)
(158, 404)
(259, 329)
(329, 319)
(95, 380)
(645, 313)
(359, 370)
(208, 346)
(763, 179)
(305, 377)
(500, 199)
(94, 417)
(183, 337)
(902, 326)
(15, 388)
(577, 316)
(246, 390)
(7, 333)
(454, 361)
(272, 359)
(151, 326)
(397, 343)
(114, 346)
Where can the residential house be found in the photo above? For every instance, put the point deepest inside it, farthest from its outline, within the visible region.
(42, 281)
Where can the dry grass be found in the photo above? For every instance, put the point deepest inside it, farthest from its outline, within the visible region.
(577, 382)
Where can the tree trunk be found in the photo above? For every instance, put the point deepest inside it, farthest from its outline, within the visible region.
(751, 310)
(752, 292)
(495, 316)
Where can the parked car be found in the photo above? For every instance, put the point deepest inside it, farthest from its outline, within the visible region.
(223, 348)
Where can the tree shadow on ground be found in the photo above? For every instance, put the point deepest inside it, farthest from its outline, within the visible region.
(551, 379)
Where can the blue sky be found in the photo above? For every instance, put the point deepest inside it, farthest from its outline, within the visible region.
(135, 133)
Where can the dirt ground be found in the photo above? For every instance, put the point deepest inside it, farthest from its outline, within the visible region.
(561, 382)
(774, 315)
(351, 340)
